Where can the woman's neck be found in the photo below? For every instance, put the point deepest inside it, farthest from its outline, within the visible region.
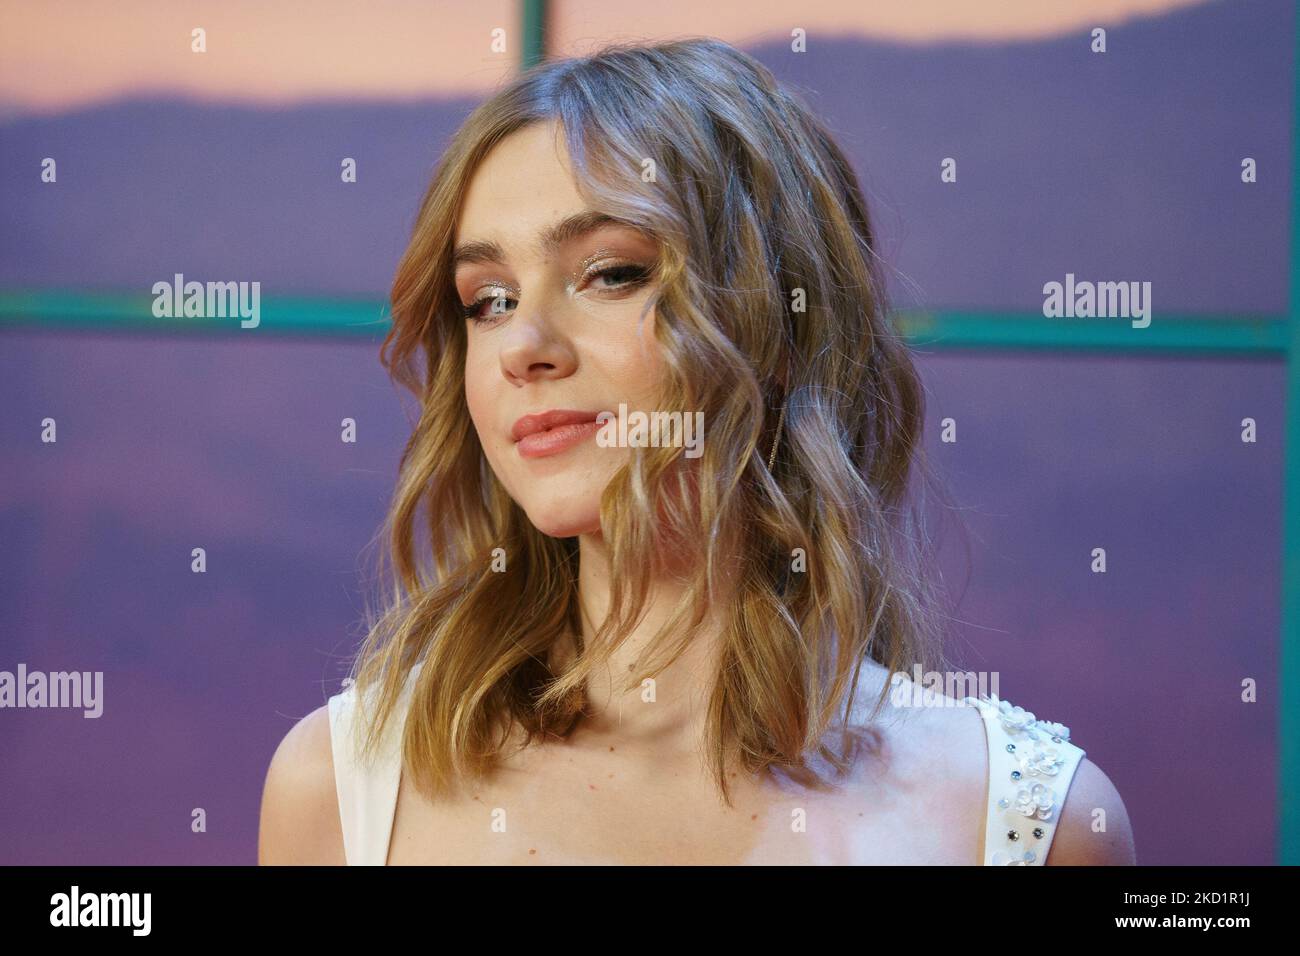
(666, 712)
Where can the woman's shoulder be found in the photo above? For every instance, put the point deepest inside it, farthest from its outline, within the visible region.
(1048, 803)
(1095, 829)
(299, 818)
(1018, 779)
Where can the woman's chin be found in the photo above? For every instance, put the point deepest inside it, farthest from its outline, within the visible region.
(564, 521)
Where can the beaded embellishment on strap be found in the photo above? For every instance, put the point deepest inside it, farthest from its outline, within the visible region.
(1031, 764)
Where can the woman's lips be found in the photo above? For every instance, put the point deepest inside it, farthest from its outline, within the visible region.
(558, 439)
(552, 418)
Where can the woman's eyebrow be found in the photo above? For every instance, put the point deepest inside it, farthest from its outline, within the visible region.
(550, 238)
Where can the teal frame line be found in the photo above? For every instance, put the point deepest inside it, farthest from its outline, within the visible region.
(1262, 336)
(1288, 730)
(534, 32)
(1258, 336)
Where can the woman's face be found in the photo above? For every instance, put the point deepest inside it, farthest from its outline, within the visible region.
(555, 326)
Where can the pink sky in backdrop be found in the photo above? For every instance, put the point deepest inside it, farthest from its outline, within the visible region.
(61, 54)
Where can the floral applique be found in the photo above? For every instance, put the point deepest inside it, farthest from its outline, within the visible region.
(1017, 720)
(1002, 858)
(1038, 760)
(1036, 801)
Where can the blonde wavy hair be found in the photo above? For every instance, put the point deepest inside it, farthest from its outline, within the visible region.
(770, 299)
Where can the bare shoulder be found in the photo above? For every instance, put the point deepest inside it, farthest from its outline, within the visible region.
(936, 753)
(940, 729)
(300, 814)
(1094, 828)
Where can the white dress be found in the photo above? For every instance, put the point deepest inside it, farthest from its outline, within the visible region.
(1031, 764)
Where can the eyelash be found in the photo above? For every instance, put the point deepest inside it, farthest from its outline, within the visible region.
(637, 275)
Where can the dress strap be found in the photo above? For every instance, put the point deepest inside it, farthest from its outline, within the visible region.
(366, 788)
(1031, 765)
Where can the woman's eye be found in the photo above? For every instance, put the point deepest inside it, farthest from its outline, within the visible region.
(495, 308)
(622, 275)
(489, 308)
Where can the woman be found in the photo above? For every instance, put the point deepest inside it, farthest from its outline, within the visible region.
(606, 643)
